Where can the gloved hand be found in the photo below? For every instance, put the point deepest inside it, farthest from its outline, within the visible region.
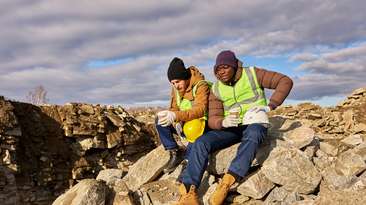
(257, 108)
(179, 129)
(168, 119)
(230, 121)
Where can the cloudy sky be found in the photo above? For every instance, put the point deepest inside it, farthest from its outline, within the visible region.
(116, 52)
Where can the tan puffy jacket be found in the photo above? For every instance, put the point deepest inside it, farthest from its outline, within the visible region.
(200, 102)
(282, 85)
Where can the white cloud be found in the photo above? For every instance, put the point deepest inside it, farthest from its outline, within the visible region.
(348, 62)
(303, 57)
(51, 42)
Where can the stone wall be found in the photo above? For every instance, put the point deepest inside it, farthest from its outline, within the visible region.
(45, 150)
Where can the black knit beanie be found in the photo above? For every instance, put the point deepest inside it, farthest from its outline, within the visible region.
(177, 71)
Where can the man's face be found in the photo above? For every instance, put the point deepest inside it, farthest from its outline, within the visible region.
(180, 85)
(226, 73)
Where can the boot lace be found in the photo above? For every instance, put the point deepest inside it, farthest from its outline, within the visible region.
(224, 188)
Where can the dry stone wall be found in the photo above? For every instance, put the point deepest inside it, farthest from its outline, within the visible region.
(45, 150)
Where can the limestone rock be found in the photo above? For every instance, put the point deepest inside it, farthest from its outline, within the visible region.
(331, 177)
(355, 194)
(237, 199)
(209, 192)
(330, 147)
(163, 192)
(138, 173)
(256, 186)
(349, 163)
(293, 170)
(219, 161)
(353, 140)
(88, 191)
(277, 195)
(121, 195)
(300, 137)
(110, 176)
(141, 198)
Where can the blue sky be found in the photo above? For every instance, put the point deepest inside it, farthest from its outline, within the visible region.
(117, 52)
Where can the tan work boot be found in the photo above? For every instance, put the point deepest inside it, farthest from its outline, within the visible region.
(221, 191)
(189, 198)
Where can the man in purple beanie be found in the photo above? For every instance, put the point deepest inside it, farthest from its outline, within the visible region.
(242, 89)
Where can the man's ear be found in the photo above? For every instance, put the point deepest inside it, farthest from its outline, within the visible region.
(240, 64)
(215, 73)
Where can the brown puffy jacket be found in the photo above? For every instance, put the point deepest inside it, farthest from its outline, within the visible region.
(282, 85)
(200, 101)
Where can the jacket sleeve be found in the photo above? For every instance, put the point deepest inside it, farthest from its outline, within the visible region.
(200, 105)
(215, 112)
(282, 84)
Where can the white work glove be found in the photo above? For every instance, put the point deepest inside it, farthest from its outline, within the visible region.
(257, 108)
(179, 129)
(230, 121)
(168, 119)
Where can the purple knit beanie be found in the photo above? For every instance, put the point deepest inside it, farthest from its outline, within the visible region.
(226, 58)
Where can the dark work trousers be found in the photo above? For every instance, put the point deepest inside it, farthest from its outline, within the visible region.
(167, 138)
(250, 137)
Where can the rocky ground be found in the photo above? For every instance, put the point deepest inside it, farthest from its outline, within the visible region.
(88, 154)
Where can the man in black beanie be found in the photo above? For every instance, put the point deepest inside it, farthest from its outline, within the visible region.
(189, 100)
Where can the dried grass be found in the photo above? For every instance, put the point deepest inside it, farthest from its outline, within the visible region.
(157, 109)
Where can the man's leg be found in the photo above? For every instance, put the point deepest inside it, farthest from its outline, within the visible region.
(179, 179)
(169, 143)
(166, 135)
(252, 137)
(190, 145)
(202, 147)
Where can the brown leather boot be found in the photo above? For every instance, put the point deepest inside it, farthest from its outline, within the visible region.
(189, 198)
(221, 191)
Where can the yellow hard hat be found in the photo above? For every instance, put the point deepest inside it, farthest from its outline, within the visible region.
(193, 129)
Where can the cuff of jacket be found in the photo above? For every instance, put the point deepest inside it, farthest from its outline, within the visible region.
(220, 124)
(271, 105)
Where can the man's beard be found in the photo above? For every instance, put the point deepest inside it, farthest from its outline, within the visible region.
(181, 93)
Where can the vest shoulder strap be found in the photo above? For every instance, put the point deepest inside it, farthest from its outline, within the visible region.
(194, 90)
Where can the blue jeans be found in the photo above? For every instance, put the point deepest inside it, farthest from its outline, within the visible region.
(250, 137)
(167, 138)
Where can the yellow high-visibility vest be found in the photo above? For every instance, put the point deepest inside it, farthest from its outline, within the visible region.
(185, 104)
(244, 94)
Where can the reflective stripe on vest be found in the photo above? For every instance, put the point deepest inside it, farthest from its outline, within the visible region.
(188, 104)
(244, 94)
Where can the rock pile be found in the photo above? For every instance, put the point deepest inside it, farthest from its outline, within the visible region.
(311, 155)
(45, 150)
(85, 154)
(344, 119)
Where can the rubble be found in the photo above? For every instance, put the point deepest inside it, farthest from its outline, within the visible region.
(48, 149)
(50, 154)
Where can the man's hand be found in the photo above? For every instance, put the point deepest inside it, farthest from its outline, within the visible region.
(230, 121)
(168, 119)
(257, 108)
